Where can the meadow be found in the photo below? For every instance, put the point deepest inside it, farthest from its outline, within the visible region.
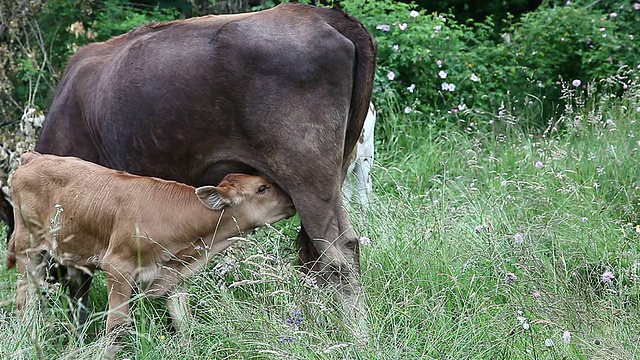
(509, 244)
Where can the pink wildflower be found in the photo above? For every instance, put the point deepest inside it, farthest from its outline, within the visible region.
(607, 276)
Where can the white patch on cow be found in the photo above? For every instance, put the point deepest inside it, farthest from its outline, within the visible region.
(358, 181)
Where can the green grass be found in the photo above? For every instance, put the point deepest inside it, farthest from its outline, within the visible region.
(444, 275)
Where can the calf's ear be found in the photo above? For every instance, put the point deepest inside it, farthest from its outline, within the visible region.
(214, 197)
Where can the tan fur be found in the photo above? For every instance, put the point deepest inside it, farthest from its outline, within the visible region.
(138, 229)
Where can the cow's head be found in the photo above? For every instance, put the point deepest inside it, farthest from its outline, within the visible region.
(255, 200)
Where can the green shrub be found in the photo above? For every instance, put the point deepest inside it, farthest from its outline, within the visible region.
(430, 64)
(468, 76)
(570, 42)
(60, 27)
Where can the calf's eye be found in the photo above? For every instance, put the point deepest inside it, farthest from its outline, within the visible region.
(262, 189)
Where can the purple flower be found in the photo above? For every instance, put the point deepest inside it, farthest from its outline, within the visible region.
(539, 164)
(365, 240)
(383, 27)
(636, 6)
(613, 15)
(585, 219)
(518, 239)
(287, 339)
(566, 336)
(536, 295)
(607, 276)
(439, 63)
(296, 319)
(576, 82)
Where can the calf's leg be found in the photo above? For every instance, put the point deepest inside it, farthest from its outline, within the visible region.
(29, 284)
(169, 282)
(119, 289)
(179, 310)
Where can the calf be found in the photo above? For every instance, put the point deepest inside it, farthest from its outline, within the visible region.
(139, 230)
(358, 179)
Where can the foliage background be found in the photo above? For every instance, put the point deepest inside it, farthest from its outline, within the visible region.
(501, 199)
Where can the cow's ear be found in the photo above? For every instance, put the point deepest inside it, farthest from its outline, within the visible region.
(214, 197)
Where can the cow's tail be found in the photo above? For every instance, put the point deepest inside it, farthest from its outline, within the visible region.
(364, 73)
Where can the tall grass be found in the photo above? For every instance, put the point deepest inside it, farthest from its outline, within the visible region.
(484, 246)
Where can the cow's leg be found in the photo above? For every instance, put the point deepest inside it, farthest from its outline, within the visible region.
(327, 242)
(336, 259)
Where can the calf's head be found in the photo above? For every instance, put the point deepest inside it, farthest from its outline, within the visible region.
(253, 200)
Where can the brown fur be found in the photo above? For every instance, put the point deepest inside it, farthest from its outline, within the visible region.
(138, 229)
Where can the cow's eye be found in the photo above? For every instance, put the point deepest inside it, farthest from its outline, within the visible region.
(262, 189)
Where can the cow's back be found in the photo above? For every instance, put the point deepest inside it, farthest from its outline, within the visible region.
(183, 99)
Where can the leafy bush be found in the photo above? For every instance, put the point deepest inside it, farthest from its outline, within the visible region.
(468, 76)
(54, 30)
(572, 42)
(430, 64)
(36, 40)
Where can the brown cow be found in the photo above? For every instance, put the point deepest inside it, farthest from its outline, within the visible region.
(137, 229)
(282, 93)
